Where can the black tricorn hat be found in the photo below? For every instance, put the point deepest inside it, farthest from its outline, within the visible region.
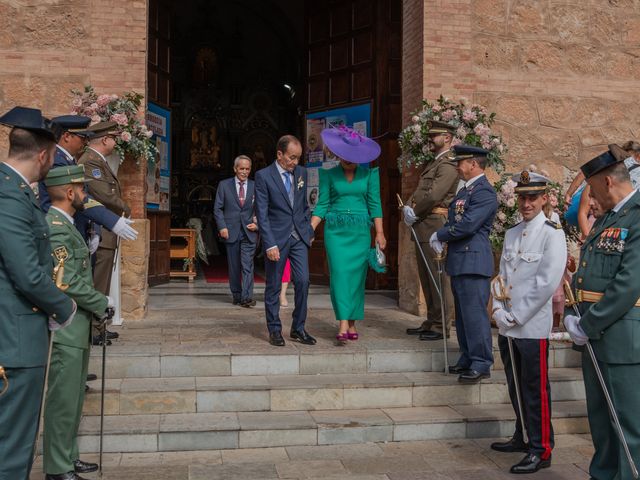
(29, 119)
(599, 163)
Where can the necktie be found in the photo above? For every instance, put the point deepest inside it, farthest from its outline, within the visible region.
(287, 181)
(241, 194)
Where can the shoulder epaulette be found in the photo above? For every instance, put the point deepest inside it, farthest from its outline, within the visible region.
(553, 224)
(55, 222)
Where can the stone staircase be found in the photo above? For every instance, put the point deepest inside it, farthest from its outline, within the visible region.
(210, 381)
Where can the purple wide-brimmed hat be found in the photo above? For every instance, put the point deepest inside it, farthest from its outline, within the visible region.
(348, 144)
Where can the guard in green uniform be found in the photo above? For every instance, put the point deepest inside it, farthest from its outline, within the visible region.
(70, 356)
(607, 288)
(30, 303)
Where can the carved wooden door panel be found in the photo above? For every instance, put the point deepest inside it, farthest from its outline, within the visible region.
(353, 56)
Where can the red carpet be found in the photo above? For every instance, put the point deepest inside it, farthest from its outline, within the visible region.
(219, 273)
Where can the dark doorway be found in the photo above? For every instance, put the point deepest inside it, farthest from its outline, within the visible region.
(237, 74)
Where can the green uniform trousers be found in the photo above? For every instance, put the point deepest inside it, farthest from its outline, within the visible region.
(609, 461)
(19, 411)
(63, 407)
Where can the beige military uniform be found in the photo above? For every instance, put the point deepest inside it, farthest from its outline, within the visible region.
(436, 189)
(105, 188)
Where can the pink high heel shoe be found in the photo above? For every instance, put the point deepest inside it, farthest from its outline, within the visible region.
(352, 336)
(342, 337)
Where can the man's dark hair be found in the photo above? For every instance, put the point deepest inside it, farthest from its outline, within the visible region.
(25, 143)
(284, 141)
(482, 162)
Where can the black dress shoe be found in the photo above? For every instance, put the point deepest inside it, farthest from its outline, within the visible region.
(416, 331)
(431, 335)
(86, 388)
(84, 467)
(248, 303)
(511, 445)
(112, 335)
(236, 301)
(64, 476)
(91, 377)
(97, 340)
(457, 369)
(530, 464)
(276, 339)
(472, 376)
(303, 337)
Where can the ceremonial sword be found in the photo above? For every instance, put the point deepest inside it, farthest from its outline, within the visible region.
(500, 293)
(571, 302)
(439, 258)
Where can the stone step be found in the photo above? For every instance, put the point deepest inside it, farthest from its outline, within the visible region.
(133, 396)
(215, 431)
(208, 359)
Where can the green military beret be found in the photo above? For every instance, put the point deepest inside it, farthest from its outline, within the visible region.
(65, 176)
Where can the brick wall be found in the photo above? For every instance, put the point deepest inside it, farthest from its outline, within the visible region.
(563, 77)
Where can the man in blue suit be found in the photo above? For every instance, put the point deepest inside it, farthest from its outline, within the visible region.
(234, 214)
(470, 262)
(284, 219)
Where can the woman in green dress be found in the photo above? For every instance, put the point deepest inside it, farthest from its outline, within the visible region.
(349, 202)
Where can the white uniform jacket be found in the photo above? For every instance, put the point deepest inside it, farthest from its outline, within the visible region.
(532, 264)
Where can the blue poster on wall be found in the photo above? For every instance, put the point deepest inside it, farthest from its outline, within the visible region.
(357, 117)
(158, 120)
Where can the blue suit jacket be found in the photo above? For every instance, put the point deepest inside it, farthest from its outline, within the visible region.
(228, 212)
(277, 218)
(467, 230)
(95, 212)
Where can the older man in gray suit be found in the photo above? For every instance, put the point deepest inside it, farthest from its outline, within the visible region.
(235, 218)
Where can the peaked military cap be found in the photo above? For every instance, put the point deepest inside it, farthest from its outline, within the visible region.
(29, 119)
(530, 183)
(102, 129)
(599, 163)
(464, 152)
(65, 176)
(72, 123)
(436, 128)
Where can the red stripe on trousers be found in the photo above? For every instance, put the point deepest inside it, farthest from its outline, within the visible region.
(544, 403)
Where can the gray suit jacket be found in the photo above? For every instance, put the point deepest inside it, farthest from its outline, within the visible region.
(228, 212)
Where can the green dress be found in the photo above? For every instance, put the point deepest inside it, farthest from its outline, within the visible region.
(348, 209)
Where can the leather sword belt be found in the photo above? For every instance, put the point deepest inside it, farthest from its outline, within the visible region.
(593, 297)
(440, 211)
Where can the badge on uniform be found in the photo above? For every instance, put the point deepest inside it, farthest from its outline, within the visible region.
(613, 239)
(61, 253)
(96, 173)
(459, 209)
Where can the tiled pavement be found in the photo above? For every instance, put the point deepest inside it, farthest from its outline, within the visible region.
(423, 460)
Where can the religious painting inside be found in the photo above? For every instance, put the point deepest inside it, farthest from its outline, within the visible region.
(235, 75)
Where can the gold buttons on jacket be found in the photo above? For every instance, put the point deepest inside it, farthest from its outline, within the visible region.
(590, 247)
(584, 264)
(54, 315)
(35, 309)
(579, 279)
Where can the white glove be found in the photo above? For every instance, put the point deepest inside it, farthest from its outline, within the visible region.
(503, 319)
(409, 215)
(572, 324)
(110, 302)
(435, 243)
(123, 230)
(55, 325)
(94, 241)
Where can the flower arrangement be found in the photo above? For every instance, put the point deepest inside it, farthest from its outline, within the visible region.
(473, 123)
(508, 215)
(125, 110)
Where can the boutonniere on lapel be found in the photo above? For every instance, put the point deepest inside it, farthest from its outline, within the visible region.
(300, 183)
